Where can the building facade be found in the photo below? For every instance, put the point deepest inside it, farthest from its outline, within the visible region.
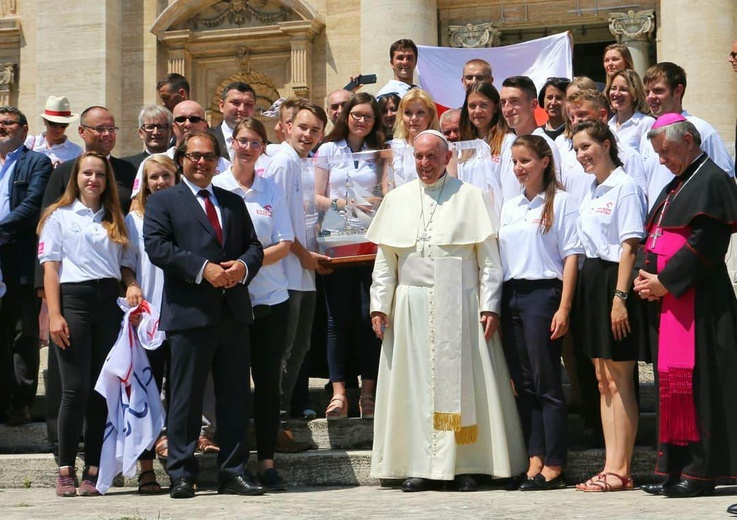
(111, 52)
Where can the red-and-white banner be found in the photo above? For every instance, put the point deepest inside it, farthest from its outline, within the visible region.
(439, 69)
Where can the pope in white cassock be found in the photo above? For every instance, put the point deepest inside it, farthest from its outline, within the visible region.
(445, 407)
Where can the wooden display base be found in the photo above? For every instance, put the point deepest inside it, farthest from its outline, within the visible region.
(350, 261)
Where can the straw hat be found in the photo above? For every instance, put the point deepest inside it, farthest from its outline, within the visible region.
(57, 110)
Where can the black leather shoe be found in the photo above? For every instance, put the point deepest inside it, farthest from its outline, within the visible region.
(240, 485)
(688, 487)
(538, 483)
(732, 510)
(182, 487)
(657, 489)
(465, 483)
(414, 484)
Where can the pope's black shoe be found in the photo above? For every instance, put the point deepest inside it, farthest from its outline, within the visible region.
(658, 488)
(414, 484)
(182, 487)
(465, 483)
(688, 487)
(240, 485)
(732, 510)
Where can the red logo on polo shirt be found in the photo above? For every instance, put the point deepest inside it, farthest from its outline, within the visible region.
(40, 248)
(607, 210)
(266, 211)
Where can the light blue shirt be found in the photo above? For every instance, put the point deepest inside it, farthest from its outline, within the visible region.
(6, 172)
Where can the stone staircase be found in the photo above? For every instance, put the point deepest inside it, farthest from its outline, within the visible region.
(342, 457)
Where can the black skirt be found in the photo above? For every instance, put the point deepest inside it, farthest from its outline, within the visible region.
(592, 315)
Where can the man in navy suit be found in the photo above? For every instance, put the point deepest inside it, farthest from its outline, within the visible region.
(237, 102)
(204, 241)
(23, 178)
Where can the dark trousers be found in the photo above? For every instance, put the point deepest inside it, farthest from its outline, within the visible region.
(158, 359)
(93, 316)
(349, 323)
(297, 341)
(224, 349)
(19, 347)
(268, 334)
(534, 364)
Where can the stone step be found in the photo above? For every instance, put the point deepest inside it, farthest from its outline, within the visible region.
(345, 434)
(312, 468)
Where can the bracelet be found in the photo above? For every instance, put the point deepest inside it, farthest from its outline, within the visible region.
(621, 295)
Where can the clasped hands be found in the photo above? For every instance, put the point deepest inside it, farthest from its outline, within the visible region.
(649, 287)
(225, 274)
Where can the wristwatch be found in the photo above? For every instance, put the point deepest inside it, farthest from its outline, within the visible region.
(621, 295)
(334, 205)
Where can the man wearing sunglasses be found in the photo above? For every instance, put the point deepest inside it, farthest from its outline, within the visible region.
(188, 117)
(53, 142)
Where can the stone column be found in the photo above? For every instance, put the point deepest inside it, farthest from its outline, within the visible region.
(385, 21)
(180, 62)
(300, 65)
(633, 29)
(699, 40)
(7, 80)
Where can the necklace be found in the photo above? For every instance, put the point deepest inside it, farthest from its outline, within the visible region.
(658, 232)
(424, 237)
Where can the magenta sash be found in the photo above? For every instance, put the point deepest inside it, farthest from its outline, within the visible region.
(676, 349)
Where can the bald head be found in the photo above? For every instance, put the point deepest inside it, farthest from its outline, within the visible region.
(336, 101)
(189, 116)
(432, 155)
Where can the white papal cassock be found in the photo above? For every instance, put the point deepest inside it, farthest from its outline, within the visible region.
(444, 403)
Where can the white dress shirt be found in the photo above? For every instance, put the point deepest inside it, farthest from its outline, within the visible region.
(631, 131)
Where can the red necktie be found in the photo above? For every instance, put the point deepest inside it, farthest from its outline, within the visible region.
(212, 215)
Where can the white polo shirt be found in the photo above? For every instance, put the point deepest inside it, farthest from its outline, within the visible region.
(527, 253)
(149, 277)
(268, 211)
(511, 187)
(286, 170)
(58, 153)
(337, 158)
(482, 169)
(610, 213)
(75, 236)
(577, 182)
(395, 86)
(265, 158)
(223, 164)
(658, 176)
(631, 131)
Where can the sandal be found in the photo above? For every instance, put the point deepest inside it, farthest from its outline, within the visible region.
(366, 405)
(583, 485)
(162, 447)
(205, 445)
(337, 408)
(150, 487)
(601, 485)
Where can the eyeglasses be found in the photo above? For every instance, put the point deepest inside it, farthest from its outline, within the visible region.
(8, 122)
(192, 119)
(476, 77)
(53, 124)
(102, 129)
(733, 55)
(336, 106)
(196, 156)
(245, 143)
(149, 127)
(362, 117)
